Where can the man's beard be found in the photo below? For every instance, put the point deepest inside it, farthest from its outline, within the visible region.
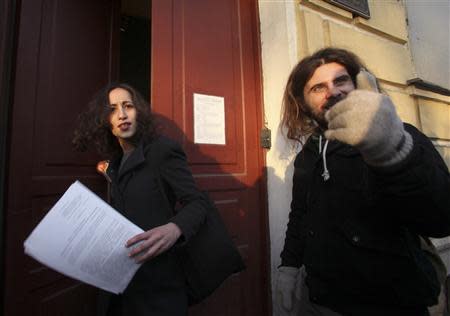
(333, 100)
(319, 119)
(319, 116)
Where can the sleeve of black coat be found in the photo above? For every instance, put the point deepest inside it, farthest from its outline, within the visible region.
(292, 253)
(176, 174)
(417, 191)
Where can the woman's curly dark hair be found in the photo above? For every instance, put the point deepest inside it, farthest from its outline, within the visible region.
(94, 129)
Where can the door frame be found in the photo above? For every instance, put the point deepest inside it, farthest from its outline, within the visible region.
(8, 9)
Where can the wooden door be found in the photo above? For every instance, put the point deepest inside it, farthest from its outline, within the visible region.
(63, 57)
(212, 48)
(64, 54)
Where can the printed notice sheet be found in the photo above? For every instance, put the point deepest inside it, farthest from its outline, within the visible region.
(209, 119)
(84, 238)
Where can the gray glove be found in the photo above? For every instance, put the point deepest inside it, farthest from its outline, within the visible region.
(368, 121)
(286, 287)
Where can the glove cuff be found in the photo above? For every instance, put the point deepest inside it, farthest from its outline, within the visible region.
(402, 149)
(289, 271)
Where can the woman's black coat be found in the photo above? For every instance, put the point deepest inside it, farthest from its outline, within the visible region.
(158, 288)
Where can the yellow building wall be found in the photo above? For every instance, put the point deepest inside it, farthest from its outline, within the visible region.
(382, 43)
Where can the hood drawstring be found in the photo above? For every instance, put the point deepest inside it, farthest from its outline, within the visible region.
(326, 173)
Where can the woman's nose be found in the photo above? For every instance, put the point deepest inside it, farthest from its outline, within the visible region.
(122, 113)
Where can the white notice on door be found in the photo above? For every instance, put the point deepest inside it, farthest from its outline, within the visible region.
(209, 119)
(84, 238)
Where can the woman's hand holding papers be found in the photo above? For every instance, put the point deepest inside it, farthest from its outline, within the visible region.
(153, 242)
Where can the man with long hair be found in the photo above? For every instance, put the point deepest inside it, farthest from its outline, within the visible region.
(366, 187)
(119, 125)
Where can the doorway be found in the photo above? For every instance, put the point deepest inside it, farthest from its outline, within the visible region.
(170, 50)
(134, 56)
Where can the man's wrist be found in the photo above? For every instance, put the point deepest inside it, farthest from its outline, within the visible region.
(395, 155)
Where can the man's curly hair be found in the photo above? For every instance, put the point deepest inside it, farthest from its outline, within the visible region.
(94, 128)
(296, 118)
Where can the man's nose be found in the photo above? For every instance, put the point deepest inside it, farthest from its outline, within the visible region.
(333, 91)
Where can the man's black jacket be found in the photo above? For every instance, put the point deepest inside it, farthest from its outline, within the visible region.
(356, 234)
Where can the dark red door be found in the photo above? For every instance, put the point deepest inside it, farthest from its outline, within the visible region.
(212, 48)
(65, 53)
(63, 56)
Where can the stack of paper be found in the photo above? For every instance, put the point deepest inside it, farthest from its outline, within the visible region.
(84, 238)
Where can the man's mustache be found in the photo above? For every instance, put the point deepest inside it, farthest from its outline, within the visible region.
(332, 101)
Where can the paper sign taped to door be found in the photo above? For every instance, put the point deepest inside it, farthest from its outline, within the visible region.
(209, 119)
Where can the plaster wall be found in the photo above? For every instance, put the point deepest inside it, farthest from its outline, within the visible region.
(429, 38)
(279, 55)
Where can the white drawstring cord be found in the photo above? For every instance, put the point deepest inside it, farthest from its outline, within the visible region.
(326, 173)
(320, 144)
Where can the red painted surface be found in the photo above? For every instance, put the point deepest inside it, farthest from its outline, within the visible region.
(212, 48)
(66, 51)
(63, 56)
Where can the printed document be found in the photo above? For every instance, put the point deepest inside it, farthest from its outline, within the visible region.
(84, 238)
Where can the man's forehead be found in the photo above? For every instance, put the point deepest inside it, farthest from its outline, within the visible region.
(327, 72)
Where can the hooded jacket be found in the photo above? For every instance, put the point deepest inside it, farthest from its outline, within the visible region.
(356, 233)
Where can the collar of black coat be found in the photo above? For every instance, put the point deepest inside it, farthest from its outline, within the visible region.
(136, 158)
(312, 144)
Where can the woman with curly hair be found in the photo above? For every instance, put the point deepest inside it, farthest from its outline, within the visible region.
(118, 123)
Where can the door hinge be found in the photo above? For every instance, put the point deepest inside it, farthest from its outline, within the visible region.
(265, 138)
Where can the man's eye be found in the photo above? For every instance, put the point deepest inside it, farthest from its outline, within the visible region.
(342, 81)
(318, 89)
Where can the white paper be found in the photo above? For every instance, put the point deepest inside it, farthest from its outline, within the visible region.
(209, 119)
(84, 238)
